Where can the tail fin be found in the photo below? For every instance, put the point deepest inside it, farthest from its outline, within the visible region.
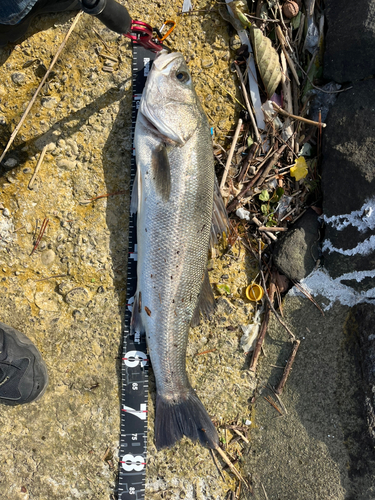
(186, 418)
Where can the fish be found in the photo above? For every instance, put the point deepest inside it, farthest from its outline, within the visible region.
(179, 214)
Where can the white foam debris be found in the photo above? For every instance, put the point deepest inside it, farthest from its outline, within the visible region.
(243, 214)
(320, 283)
(363, 248)
(363, 219)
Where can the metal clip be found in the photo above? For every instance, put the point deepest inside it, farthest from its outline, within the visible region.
(141, 33)
(161, 37)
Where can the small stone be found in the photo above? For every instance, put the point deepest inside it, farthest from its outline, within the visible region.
(78, 297)
(6, 212)
(207, 63)
(235, 42)
(47, 301)
(77, 315)
(48, 257)
(18, 78)
(3, 120)
(64, 288)
(222, 124)
(10, 163)
(66, 164)
(225, 305)
(73, 146)
(95, 348)
(49, 102)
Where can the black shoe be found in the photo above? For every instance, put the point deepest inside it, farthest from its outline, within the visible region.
(23, 373)
(11, 32)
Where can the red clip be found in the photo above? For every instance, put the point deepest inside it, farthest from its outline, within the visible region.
(143, 35)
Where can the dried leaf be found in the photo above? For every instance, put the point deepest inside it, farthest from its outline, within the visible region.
(267, 60)
(299, 170)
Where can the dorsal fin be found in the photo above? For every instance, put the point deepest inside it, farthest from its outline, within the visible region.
(161, 171)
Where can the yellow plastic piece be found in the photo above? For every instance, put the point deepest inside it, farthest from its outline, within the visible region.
(254, 292)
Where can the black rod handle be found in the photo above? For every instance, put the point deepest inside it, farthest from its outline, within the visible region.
(110, 13)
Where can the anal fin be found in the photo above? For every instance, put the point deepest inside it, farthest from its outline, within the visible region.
(206, 302)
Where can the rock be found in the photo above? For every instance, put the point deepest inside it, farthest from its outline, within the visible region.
(296, 252)
(66, 164)
(78, 297)
(225, 305)
(10, 163)
(47, 301)
(207, 63)
(350, 41)
(6, 212)
(48, 257)
(348, 182)
(18, 78)
(49, 102)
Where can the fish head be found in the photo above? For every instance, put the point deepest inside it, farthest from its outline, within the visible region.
(169, 102)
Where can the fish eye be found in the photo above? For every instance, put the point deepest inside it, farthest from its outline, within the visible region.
(182, 76)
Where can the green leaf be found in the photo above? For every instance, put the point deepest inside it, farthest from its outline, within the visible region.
(223, 288)
(264, 209)
(264, 195)
(277, 195)
(296, 21)
(250, 141)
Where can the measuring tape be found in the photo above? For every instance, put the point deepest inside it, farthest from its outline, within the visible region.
(135, 363)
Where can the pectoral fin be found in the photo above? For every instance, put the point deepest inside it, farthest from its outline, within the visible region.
(206, 302)
(161, 171)
(135, 196)
(136, 324)
(220, 222)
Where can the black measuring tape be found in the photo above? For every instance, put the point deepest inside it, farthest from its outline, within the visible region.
(134, 397)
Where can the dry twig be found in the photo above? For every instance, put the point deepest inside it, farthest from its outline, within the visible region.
(295, 117)
(27, 110)
(38, 165)
(231, 153)
(288, 367)
(40, 236)
(230, 465)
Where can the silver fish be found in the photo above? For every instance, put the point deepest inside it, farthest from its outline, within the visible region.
(174, 198)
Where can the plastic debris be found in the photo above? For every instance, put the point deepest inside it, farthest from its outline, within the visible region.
(299, 170)
(250, 333)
